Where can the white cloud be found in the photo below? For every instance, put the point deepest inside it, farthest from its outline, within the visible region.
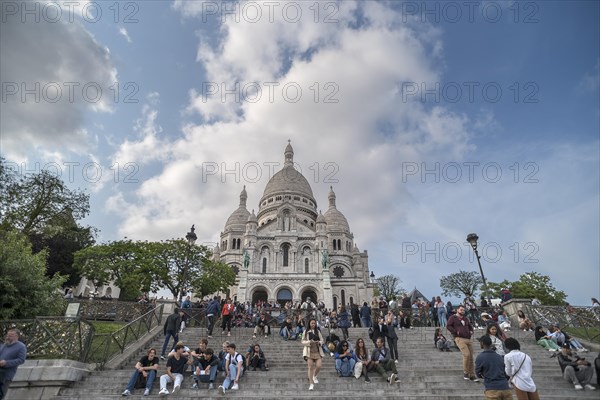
(123, 32)
(68, 73)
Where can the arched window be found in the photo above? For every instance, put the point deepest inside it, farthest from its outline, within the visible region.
(239, 242)
(339, 244)
(334, 244)
(343, 292)
(306, 265)
(286, 254)
(264, 266)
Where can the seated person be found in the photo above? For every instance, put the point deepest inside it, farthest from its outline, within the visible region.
(175, 367)
(440, 340)
(222, 354)
(262, 326)
(234, 368)
(299, 330)
(287, 330)
(206, 369)
(344, 359)
(503, 321)
(383, 363)
(544, 340)
(556, 335)
(524, 322)
(331, 342)
(146, 367)
(578, 371)
(574, 343)
(255, 358)
(196, 354)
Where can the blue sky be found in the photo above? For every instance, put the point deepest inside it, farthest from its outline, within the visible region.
(443, 123)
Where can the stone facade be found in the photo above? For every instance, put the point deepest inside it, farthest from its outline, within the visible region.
(289, 251)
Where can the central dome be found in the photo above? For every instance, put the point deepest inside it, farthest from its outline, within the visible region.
(288, 180)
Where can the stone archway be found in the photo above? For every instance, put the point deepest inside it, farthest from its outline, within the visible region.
(259, 294)
(284, 295)
(310, 292)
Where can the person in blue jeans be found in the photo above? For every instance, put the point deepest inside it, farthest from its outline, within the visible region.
(171, 328)
(147, 366)
(365, 315)
(234, 367)
(344, 359)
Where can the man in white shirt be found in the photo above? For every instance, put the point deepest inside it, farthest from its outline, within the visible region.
(518, 367)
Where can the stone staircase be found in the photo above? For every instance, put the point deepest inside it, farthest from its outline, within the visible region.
(425, 372)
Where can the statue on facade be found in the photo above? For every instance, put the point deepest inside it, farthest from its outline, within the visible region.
(246, 259)
(324, 259)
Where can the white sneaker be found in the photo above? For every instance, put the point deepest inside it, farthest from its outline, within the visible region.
(147, 392)
(311, 387)
(396, 361)
(176, 389)
(235, 386)
(126, 393)
(578, 387)
(163, 392)
(221, 389)
(589, 387)
(315, 380)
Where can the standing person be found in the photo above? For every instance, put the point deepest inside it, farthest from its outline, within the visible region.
(171, 328)
(344, 321)
(490, 366)
(382, 362)
(212, 310)
(518, 367)
(362, 355)
(379, 330)
(497, 342)
(365, 315)
(227, 315)
(355, 315)
(441, 311)
(12, 354)
(313, 353)
(461, 329)
(147, 366)
(175, 367)
(391, 336)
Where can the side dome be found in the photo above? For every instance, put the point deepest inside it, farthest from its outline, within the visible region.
(336, 221)
(237, 219)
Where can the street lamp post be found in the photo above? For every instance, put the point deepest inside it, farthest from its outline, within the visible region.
(472, 238)
(191, 238)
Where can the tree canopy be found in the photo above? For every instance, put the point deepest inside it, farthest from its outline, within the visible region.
(25, 291)
(465, 283)
(389, 286)
(532, 285)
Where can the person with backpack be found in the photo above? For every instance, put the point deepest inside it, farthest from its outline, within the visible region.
(234, 368)
(227, 315)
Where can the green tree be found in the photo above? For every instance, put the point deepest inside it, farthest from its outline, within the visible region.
(389, 286)
(463, 282)
(42, 207)
(534, 285)
(25, 291)
(215, 277)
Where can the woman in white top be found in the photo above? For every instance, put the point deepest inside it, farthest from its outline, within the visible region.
(518, 367)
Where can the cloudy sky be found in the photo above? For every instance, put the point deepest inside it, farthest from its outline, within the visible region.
(430, 120)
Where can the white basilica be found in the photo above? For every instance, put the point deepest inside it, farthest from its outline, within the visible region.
(288, 251)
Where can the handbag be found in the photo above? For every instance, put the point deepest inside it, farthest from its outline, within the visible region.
(358, 367)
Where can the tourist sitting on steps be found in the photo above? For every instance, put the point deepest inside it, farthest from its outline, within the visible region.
(262, 326)
(440, 341)
(344, 359)
(255, 358)
(544, 340)
(577, 371)
(146, 369)
(175, 367)
(234, 367)
(206, 369)
(382, 363)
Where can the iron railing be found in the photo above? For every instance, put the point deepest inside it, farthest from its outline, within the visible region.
(583, 322)
(104, 347)
(53, 337)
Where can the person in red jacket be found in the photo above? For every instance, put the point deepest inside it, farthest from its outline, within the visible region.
(461, 329)
(227, 315)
